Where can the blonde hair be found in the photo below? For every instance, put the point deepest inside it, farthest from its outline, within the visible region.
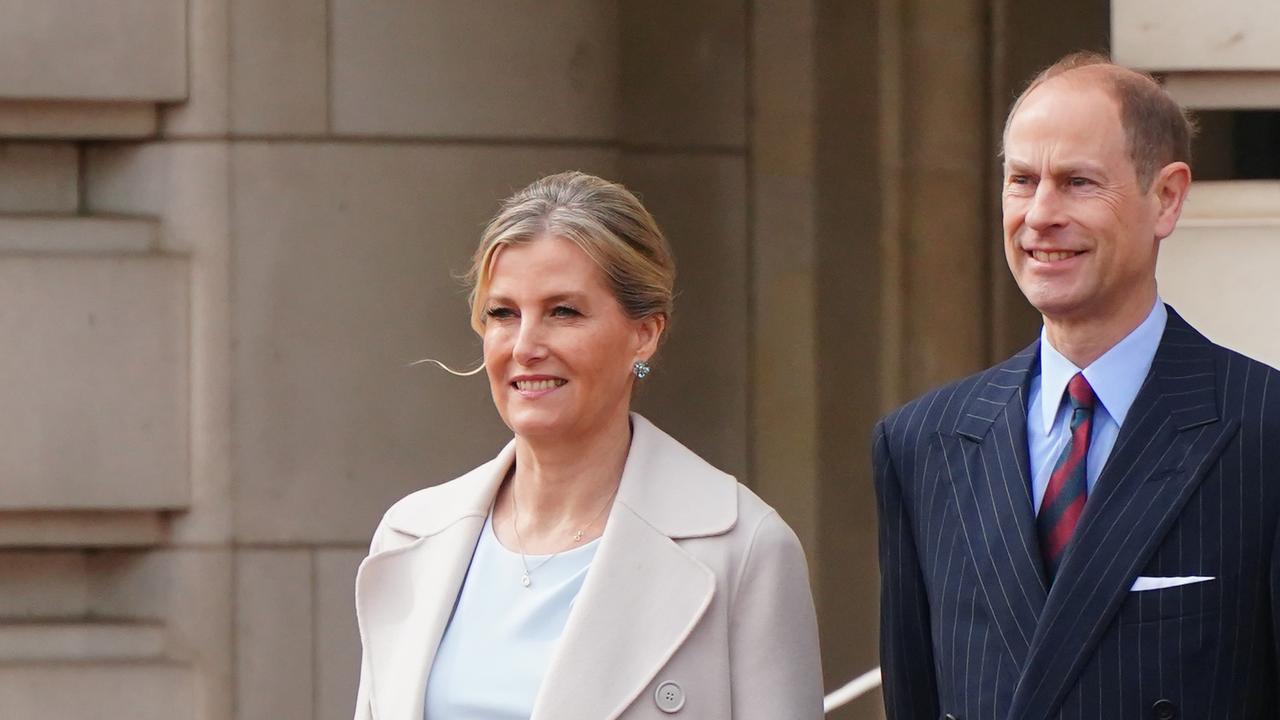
(602, 218)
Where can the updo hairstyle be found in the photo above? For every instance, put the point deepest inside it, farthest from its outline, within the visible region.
(602, 218)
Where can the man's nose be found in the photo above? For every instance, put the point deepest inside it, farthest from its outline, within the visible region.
(1046, 209)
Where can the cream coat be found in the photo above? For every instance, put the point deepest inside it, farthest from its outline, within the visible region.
(696, 581)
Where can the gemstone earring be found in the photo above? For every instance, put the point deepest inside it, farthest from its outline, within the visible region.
(641, 369)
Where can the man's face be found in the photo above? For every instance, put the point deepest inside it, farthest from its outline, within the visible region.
(1079, 232)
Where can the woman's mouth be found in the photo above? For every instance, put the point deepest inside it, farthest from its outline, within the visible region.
(538, 385)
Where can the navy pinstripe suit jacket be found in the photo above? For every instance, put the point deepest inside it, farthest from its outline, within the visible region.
(971, 629)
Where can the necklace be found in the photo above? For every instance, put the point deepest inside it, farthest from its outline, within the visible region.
(527, 578)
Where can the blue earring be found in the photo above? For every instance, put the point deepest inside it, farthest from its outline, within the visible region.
(641, 369)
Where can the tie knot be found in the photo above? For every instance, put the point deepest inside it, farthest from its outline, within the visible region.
(1080, 392)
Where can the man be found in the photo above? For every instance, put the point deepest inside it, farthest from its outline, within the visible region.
(1089, 529)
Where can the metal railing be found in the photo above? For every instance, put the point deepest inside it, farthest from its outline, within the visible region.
(855, 688)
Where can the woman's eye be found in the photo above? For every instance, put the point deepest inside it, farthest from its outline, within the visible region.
(500, 313)
(564, 311)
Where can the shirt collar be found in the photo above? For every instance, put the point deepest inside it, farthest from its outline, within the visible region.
(1116, 377)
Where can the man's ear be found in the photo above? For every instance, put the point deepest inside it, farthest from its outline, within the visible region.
(1170, 188)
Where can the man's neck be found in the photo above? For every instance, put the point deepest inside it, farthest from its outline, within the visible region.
(1084, 340)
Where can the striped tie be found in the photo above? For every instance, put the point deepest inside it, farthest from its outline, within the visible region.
(1064, 498)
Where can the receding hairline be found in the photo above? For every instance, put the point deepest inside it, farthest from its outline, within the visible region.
(1103, 77)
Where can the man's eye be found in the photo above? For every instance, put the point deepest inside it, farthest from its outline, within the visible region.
(1079, 182)
(1019, 180)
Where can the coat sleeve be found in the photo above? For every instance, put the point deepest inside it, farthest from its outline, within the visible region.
(906, 648)
(776, 670)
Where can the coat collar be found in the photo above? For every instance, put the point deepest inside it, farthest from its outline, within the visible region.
(663, 482)
(642, 597)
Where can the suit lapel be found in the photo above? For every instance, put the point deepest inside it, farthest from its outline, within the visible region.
(405, 595)
(986, 464)
(1168, 443)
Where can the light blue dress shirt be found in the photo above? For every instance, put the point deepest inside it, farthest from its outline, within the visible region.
(499, 641)
(1115, 378)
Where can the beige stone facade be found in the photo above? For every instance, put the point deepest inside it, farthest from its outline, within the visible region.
(227, 226)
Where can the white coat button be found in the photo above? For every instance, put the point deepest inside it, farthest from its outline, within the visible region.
(670, 697)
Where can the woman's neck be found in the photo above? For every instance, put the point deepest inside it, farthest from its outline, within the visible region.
(560, 488)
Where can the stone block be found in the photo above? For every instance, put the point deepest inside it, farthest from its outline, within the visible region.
(39, 178)
(279, 66)
(337, 636)
(784, 432)
(73, 50)
(684, 73)
(274, 642)
(1226, 35)
(46, 119)
(81, 529)
(77, 234)
(29, 642)
(945, 69)
(206, 111)
(698, 391)
(43, 585)
(344, 272)
(190, 591)
(943, 232)
(506, 69)
(1218, 268)
(186, 186)
(96, 406)
(99, 691)
(1224, 91)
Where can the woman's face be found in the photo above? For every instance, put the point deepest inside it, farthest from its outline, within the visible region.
(558, 347)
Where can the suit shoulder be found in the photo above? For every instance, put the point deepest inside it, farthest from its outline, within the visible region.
(1259, 371)
(934, 409)
(1250, 388)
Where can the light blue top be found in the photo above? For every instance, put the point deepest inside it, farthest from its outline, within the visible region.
(1115, 377)
(499, 640)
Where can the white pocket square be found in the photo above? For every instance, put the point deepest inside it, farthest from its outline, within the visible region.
(1159, 583)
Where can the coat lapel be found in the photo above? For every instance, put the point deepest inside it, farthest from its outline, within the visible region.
(986, 463)
(641, 599)
(405, 595)
(644, 593)
(1172, 437)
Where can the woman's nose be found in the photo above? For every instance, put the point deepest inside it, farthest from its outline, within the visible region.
(530, 344)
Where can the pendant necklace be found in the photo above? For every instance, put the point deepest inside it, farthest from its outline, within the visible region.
(526, 579)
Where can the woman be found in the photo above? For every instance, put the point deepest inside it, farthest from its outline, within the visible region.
(596, 568)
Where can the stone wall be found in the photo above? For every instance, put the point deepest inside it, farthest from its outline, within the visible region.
(227, 226)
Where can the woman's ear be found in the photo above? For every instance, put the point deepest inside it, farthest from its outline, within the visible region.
(648, 334)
